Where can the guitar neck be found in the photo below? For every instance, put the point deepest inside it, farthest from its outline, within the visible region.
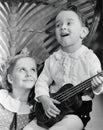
(71, 91)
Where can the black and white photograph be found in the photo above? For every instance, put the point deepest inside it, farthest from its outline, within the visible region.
(51, 65)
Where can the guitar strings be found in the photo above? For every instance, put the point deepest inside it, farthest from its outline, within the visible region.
(64, 98)
(72, 92)
(60, 95)
(69, 89)
(68, 95)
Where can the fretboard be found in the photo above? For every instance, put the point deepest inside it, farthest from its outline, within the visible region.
(70, 92)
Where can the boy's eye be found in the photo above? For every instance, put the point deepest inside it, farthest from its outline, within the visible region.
(68, 23)
(57, 25)
(22, 69)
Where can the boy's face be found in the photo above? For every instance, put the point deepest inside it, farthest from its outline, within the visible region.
(69, 29)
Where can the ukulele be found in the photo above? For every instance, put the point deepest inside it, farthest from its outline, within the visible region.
(67, 97)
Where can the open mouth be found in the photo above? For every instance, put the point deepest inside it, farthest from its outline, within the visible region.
(64, 35)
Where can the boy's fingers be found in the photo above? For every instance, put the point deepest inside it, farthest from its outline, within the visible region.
(55, 101)
(52, 113)
(101, 78)
(47, 115)
(92, 83)
(96, 81)
(55, 109)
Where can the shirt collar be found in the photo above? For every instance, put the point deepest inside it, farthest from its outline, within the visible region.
(12, 104)
(75, 54)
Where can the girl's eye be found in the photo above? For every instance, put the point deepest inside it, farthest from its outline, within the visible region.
(33, 70)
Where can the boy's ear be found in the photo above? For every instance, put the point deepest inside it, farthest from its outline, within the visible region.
(9, 78)
(84, 32)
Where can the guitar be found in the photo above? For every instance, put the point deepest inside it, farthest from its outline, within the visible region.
(67, 96)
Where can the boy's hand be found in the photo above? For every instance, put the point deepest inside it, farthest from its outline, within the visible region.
(49, 106)
(97, 83)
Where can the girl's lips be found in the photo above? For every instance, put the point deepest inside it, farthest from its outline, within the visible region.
(28, 80)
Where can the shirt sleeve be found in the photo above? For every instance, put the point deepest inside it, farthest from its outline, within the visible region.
(44, 81)
(95, 68)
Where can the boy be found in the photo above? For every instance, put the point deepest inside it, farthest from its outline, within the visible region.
(72, 63)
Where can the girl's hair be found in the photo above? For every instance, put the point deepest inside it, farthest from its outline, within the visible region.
(8, 70)
(9, 67)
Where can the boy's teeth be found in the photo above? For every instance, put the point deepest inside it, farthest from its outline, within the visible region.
(63, 35)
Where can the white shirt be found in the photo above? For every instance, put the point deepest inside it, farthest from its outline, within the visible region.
(63, 68)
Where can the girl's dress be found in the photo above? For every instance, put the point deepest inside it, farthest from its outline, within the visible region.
(14, 114)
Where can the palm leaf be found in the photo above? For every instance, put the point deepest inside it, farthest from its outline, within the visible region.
(31, 24)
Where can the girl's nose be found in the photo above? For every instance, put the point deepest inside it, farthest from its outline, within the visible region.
(28, 74)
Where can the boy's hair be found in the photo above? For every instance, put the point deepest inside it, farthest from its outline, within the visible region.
(81, 16)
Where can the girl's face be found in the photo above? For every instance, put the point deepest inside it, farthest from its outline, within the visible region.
(69, 29)
(24, 74)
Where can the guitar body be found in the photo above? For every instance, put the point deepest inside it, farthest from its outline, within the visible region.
(66, 107)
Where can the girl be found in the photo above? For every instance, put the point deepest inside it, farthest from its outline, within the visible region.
(16, 97)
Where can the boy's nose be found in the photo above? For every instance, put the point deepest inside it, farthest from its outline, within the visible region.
(63, 27)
